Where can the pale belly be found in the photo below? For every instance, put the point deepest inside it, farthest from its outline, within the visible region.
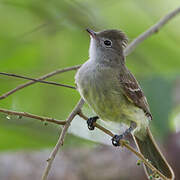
(101, 90)
(107, 104)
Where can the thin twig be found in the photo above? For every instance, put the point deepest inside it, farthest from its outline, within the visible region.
(36, 80)
(25, 114)
(154, 29)
(124, 144)
(61, 138)
(59, 71)
(95, 124)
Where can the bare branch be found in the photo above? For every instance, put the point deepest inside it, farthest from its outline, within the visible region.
(61, 138)
(125, 144)
(97, 125)
(59, 71)
(154, 29)
(25, 114)
(36, 80)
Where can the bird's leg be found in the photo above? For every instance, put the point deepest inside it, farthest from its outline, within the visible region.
(90, 122)
(117, 138)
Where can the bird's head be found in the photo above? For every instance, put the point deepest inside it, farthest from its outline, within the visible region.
(107, 44)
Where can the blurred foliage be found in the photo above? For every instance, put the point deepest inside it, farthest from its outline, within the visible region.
(39, 36)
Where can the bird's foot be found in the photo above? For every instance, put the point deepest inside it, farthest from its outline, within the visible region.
(91, 121)
(116, 140)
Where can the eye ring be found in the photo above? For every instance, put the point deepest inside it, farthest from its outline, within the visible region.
(108, 43)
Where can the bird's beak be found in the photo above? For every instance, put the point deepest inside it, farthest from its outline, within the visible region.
(91, 32)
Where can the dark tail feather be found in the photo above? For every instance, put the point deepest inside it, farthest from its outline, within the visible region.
(150, 150)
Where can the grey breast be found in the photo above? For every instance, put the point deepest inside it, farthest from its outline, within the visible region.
(100, 90)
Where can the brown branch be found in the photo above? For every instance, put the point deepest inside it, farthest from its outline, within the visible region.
(36, 80)
(25, 114)
(59, 71)
(124, 144)
(97, 125)
(154, 29)
(61, 138)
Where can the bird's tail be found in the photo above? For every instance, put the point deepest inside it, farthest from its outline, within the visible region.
(150, 150)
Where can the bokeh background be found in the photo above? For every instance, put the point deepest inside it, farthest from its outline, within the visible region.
(40, 36)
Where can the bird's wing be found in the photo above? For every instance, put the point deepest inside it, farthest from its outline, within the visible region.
(133, 92)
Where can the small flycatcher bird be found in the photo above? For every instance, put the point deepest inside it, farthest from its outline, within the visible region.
(109, 88)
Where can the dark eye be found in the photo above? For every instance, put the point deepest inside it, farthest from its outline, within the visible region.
(108, 43)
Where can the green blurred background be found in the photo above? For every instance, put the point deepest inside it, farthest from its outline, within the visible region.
(40, 36)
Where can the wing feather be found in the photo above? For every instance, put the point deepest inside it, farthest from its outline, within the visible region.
(133, 91)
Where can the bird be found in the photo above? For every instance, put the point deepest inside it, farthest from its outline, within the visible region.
(114, 94)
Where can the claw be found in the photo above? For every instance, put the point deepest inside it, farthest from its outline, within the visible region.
(116, 140)
(90, 122)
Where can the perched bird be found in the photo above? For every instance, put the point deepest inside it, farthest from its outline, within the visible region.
(111, 90)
